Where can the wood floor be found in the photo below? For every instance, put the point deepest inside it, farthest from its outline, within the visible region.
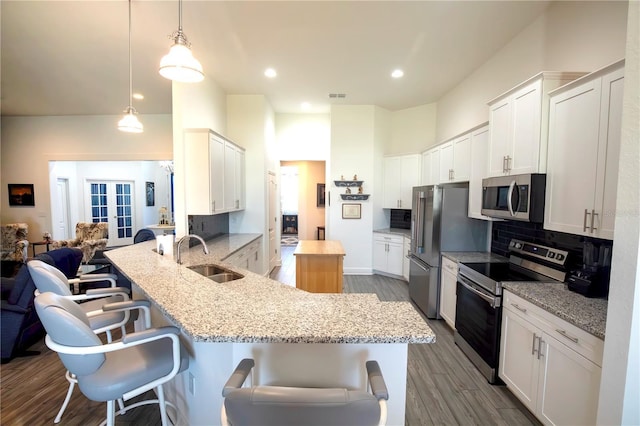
(443, 387)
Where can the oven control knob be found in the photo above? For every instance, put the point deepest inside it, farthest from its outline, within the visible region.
(518, 245)
(560, 256)
(551, 255)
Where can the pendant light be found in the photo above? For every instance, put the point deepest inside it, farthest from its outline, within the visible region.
(129, 123)
(179, 64)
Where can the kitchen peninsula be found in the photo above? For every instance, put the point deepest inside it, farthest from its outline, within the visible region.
(296, 337)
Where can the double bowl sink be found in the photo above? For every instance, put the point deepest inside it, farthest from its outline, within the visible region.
(216, 273)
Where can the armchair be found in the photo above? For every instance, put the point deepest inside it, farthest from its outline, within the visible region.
(90, 237)
(14, 242)
(21, 327)
(120, 370)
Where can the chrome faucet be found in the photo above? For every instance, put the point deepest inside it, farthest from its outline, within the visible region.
(186, 238)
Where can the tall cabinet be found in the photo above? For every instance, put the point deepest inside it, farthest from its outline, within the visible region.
(518, 125)
(401, 174)
(584, 144)
(214, 173)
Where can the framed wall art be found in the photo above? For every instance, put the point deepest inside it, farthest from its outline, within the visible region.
(351, 211)
(150, 189)
(320, 196)
(21, 194)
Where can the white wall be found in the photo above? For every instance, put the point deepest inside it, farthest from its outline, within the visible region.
(620, 385)
(412, 130)
(29, 143)
(352, 147)
(303, 137)
(570, 36)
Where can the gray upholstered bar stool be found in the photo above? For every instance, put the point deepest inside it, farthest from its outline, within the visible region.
(48, 278)
(141, 361)
(283, 406)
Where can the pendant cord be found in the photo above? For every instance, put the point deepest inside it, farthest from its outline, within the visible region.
(180, 16)
(130, 68)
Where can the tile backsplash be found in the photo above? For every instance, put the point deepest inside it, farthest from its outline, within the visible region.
(400, 219)
(503, 232)
(208, 227)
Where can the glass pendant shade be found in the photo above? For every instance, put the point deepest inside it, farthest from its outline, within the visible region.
(180, 65)
(129, 123)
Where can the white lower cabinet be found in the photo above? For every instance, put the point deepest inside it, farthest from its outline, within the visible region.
(248, 257)
(448, 283)
(406, 265)
(550, 365)
(388, 256)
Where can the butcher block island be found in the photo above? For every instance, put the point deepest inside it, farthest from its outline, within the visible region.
(319, 266)
(295, 337)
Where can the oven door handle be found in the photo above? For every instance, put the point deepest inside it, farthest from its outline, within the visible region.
(488, 299)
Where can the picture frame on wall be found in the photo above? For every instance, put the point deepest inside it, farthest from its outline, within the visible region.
(351, 211)
(320, 196)
(150, 191)
(21, 195)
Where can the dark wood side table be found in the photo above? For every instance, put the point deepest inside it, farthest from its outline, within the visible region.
(40, 243)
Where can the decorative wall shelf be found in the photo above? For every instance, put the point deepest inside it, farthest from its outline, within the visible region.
(346, 183)
(352, 197)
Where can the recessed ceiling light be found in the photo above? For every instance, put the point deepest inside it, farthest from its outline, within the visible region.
(397, 73)
(305, 106)
(270, 72)
(138, 96)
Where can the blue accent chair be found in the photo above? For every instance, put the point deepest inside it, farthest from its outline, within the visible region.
(19, 322)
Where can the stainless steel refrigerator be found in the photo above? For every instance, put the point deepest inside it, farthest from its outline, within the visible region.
(439, 222)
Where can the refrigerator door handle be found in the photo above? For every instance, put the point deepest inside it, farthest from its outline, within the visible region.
(426, 269)
(419, 228)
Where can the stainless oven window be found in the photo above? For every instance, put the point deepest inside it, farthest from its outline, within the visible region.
(478, 321)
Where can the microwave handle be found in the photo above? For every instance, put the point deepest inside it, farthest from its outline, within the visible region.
(510, 198)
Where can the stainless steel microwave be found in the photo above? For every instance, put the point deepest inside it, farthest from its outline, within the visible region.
(518, 197)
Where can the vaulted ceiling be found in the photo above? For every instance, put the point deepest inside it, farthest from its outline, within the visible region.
(71, 57)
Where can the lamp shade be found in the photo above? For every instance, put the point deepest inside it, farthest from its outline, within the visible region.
(180, 65)
(129, 123)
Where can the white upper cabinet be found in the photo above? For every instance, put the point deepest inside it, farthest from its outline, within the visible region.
(455, 159)
(214, 173)
(584, 144)
(478, 170)
(431, 167)
(518, 125)
(401, 174)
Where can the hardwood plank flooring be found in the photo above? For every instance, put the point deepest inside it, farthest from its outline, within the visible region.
(443, 387)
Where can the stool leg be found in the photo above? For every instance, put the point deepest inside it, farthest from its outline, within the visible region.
(163, 407)
(72, 382)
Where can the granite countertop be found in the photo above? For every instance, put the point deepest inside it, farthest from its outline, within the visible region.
(585, 313)
(474, 256)
(258, 309)
(397, 231)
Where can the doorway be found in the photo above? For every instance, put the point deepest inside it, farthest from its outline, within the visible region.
(112, 202)
(60, 213)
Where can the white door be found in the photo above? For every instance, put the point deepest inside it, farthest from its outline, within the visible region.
(61, 225)
(112, 202)
(274, 247)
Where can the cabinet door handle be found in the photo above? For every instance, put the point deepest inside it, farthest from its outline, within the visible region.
(533, 344)
(584, 221)
(508, 163)
(540, 342)
(564, 334)
(593, 217)
(504, 164)
(524, 310)
(400, 203)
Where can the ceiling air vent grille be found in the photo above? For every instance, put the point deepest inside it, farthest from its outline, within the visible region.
(337, 95)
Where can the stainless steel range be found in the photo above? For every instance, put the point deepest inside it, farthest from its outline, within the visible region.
(479, 298)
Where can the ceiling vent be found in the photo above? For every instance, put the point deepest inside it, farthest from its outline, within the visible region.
(337, 95)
